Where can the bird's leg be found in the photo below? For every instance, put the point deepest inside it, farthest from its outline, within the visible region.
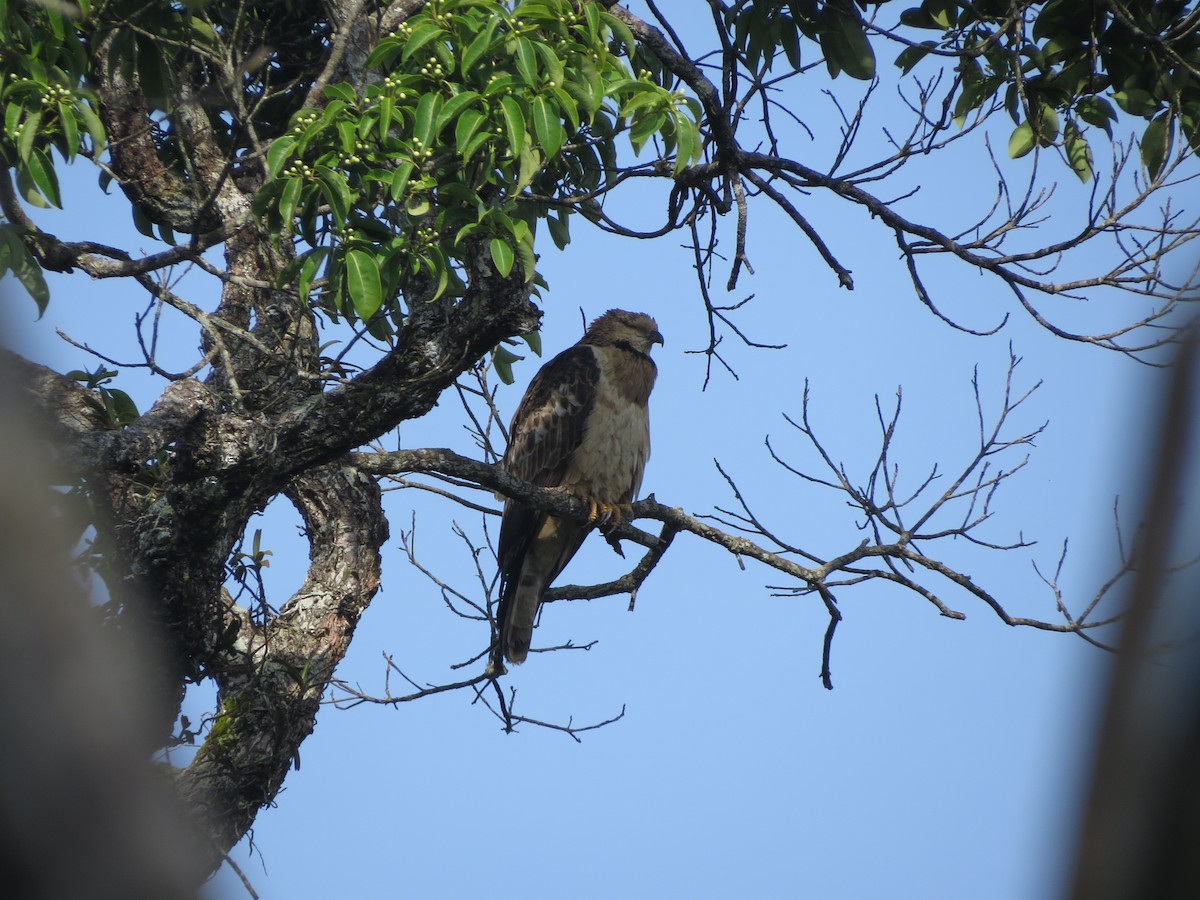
(605, 516)
(612, 516)
(594, 508)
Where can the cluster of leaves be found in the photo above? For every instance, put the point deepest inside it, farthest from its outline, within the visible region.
(47, 107)
(1064, 63)
(43, 67)
(477, 116)
(480, 119)
(761, 30)
(1056, 66)
(113, 406)
(16, 258)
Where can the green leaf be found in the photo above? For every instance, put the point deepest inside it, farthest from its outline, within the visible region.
(1021, 141)
(422, 35)
(974, 93)
(29, 133)
(336, 191)
(846, 48)
(343, 92)
(1047, 125)
(66, 116)
(1096, 111)
(547, 126)
(480, 46)
(789, 40)
(941, 12)
(400, 179)
(279, 153)
(155, 72)
(514, 122)
(473, 145)
(527, 62)
(455, 193)
(363, 283)
(308, 270)
(586, 87)
(502, 362)
(555, 71)
(931, 15)
(453, 108)
(288, 200)
(141, 222)
(621, 33)
(500, 85)
(688, 141)
(387, 109)
(534, 341)
(559, 230)
(910, 56)
(438, 266)
(347, 135)
(14, 256)
(120, 406)
(591, 14)
(417, 204)
(567, 106)
(385, 53)
(502, 256)
(266, 198)
(1155, 141)
(528, 259)
(1136, 102)
(12, 118)
(640, 94)
(427, 110)
(645, 127)
(93, 125)
(465, 128)
(530, 163)
(1079, 155)
(381, 329)
(1189, 124)
(41, 173)
(31, 278)
(466, 231)
(332, 112)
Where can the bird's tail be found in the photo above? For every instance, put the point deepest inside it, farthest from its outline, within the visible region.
(520, 603)
(543, 558)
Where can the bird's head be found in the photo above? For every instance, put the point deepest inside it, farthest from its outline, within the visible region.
(618, 326)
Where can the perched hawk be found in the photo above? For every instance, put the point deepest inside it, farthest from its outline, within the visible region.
(583, 425)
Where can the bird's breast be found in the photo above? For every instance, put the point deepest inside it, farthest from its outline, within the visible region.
(611, 459)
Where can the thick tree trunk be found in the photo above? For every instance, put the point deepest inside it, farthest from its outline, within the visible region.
(272, 678)
(172, 492)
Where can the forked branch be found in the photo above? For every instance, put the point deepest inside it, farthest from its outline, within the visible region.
(909, 526)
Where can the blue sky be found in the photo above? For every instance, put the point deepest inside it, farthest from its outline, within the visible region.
(946, 763)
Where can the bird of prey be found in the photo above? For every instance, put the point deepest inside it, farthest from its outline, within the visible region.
(583, 425)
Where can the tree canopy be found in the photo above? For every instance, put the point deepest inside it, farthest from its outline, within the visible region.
(370, 187)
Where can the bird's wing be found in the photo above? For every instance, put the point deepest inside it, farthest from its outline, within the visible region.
(547, 429)
(549, 423)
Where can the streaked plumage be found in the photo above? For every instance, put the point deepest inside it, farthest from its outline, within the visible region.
(583, 425)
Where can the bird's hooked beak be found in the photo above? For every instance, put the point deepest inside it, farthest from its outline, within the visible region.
(657, 338)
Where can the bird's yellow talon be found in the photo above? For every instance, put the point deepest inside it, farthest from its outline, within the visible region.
(613, 516)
